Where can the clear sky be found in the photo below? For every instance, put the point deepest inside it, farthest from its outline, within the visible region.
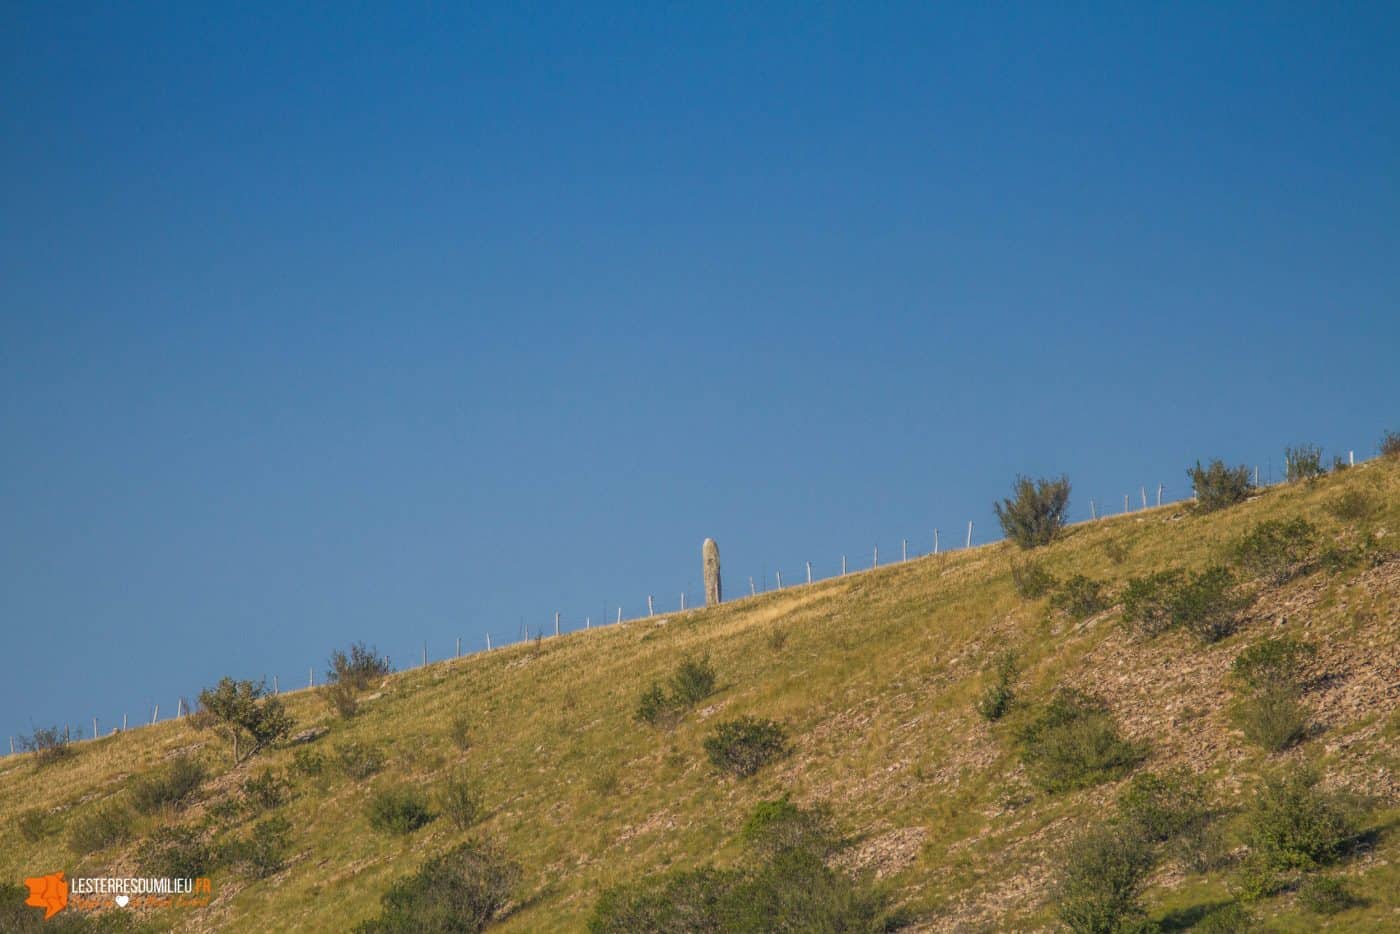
(403, 324)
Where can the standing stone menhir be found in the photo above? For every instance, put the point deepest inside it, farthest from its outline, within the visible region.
(714, 592)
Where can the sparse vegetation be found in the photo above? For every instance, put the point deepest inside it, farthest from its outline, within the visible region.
(1162, 806)
(1324, 895)
(342, 698)
(1303, 462)
(1219, 486)
(49, 745)
(1147, 602)
(1079, 597)
(998, 695)
(1272, 717)
(461, 801)
(745, 744)
(1205, 604)
(462, 890)
(1073, 742)
(359, 668)
(1294, 824)
(34, 824)
(99, 826)
(400, 810)
(359, 760)
(1352, 506)
(1036, 512)
(307, 762)
(175, 852)
(263, 852)
(1389, 445)
(265, 791)
(1102, 876)
(460, 732)
(1031, 579)
(1273, 661)
(692, 681)
(166, 786)
(1277, 550)
(243, 714)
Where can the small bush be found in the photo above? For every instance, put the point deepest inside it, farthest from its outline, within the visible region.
(1324, 895)
(1205, 604)
(1102, 876)
(265, 791)
(1352, 506)
(1292, 824)
(98, 827)
(398, 810)
(1162, 807)
(342, 698)
(461, 801)
(1218, 486)
(49, 745)
(997, 697)
(1031, 579)
(1276, 551)
(777, 638)
(1389, 445)
(676, 903)
(1074, 743)
(1117, 551)
(1147, 602)
(1272, 718)
(1229, 918)
(1303, 462)
(175, 853)
(464, 889)
(779, 825)
(243, 713)
(1256, 879)
(359, 760)
(460, 732)
(1080, 597)
(34, 824)
(655, 707)
(1036, 513)
(745, 744)
(693, 681)
(1272, 662)
(166, 786)
(359, 668)
(263, 852)
(308, 762)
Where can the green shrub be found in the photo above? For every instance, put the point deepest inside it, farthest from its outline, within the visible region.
(1080, 597)
(35, 824)
(693, 681)
(398, 810)
(1101, 879)
(1256, 879)
(1218, 486)
(1162, 807)
(1031, 579)
(244, 714)
(166, 786)
(1293, 824)
(96, 827)
(1036, 513)
(1276, 550)
(18, 918)
(679, 902)
(1205, 604)
(308, 762)
(1074, 743)
(655, 707)
(49, 745)
(460, 732)
(997, 697)
(1229, 918)
(1324, 895)
(461, 801)
(1116, 551)
(263, 852)
(359, 760)
(1303, 462)
(342, 698)
(1273, 661)
(359, 668)
(1147, 602)
(464, 889)
(1352, 506)
(175, 853)
(1272, 717)
(265, 791)
(779, 825)
(745, 744)
(1389, 445)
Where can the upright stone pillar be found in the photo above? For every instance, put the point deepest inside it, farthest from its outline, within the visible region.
(709, 553)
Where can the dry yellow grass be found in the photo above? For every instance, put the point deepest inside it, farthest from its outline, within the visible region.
(875, 674)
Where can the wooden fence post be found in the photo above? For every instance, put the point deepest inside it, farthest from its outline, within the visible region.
(274, 684)
(935, 541)
(780, 579)
(556, 624)
(123, 723)
(682, 601)
(1143, 490)
(155, 714)
(94, 728)
(1125, 503)
(619, 614)
(488, 642)
(843, 565)
(1159, 494)
(809, 572)
(1092, 514)
(650, 610)
(459, 647)
(876, 562)
(969, 534)
(904, 549)
(311, 677)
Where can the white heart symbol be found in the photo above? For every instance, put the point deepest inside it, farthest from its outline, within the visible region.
(122, 900)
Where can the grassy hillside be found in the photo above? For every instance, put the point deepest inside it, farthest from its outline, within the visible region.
(876, 675)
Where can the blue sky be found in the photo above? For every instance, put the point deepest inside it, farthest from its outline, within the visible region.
(405, 324)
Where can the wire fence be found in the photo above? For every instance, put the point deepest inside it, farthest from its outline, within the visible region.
(1138, 499)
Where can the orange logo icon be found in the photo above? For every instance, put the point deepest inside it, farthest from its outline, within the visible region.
(48, 892)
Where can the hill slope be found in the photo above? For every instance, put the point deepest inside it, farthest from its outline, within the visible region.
(875, 674)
